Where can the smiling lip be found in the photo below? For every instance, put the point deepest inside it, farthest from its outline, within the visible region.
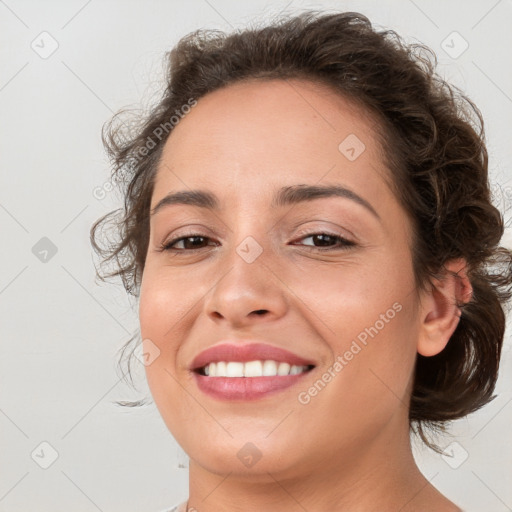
(244, 353)
(245, 388)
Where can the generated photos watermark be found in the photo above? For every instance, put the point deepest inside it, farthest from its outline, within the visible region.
(357, 345)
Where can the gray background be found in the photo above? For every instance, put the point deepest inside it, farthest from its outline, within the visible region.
(60, 330)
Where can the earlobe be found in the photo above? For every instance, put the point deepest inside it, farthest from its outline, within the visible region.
(440, 313)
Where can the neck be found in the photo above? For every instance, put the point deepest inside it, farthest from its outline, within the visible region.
(383, 476)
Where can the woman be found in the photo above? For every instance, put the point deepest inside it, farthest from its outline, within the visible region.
(308, 228)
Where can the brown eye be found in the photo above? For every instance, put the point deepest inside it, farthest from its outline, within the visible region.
(328, 241)
(189, 243)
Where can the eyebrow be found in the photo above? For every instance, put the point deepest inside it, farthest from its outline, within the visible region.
(285, 196)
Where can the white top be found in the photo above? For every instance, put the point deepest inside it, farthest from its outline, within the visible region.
(182, 507)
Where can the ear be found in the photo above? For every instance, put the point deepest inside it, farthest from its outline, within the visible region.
(439, 311)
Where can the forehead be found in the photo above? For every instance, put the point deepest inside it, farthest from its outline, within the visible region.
(273, 130)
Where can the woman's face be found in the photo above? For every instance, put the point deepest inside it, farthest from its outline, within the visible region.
(265, 266)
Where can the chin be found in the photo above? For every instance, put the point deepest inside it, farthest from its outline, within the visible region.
(245, 456)
(222, 464)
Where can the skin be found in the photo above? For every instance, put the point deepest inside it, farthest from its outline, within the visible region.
(348, 449)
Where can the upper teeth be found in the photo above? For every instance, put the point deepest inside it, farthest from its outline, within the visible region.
(251, 369)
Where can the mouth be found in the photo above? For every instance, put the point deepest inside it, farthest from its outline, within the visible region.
(247, 372)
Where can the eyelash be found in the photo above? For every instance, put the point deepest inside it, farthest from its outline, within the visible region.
(345, 244)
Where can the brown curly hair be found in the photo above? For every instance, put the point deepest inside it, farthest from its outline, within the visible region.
(434, 145)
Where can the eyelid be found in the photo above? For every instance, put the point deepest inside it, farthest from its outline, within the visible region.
(193, 229)
(336, 231)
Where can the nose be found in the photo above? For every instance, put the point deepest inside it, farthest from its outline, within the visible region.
(247, 293)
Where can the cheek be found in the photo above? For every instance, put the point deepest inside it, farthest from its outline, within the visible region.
(366, 318)
(355, 296)
(163, 311)
(165, 306)
(367, 385)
